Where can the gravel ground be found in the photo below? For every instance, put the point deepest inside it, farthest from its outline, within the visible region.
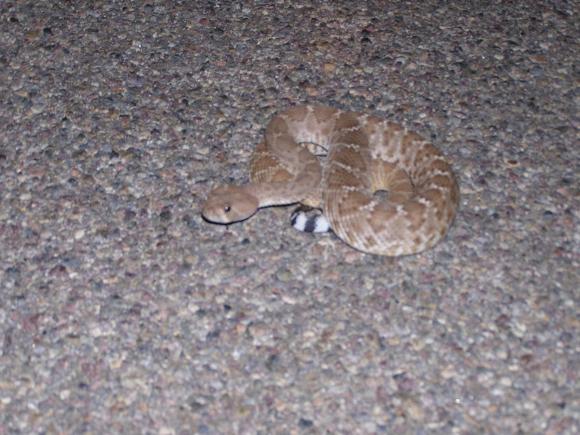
(122, 311)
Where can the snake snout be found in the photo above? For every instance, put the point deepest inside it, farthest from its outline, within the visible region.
(229, 204)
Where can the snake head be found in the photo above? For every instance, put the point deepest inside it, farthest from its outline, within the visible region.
(228, 204)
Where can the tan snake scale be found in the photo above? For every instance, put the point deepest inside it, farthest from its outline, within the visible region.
(365, 154)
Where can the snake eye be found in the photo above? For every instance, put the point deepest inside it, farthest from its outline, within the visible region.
(227, 208)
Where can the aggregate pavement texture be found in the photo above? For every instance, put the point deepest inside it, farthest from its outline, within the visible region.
(123, 311)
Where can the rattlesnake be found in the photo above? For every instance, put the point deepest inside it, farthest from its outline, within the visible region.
(365, 155)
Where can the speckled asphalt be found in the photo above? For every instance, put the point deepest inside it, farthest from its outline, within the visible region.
(122, 311)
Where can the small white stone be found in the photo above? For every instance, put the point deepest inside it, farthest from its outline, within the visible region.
(505, 381)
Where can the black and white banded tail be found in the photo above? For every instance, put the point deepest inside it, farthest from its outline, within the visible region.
(309, 220)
